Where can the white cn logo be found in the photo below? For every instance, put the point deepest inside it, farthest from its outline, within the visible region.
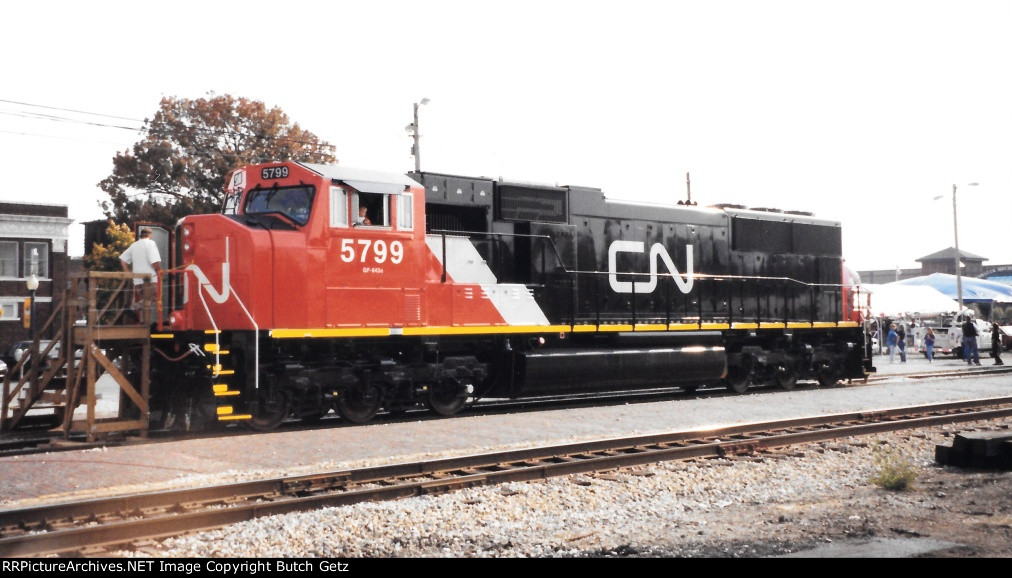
(656, 252)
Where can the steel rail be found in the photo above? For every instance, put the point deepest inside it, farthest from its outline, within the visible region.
(57, 443)
(157, 515)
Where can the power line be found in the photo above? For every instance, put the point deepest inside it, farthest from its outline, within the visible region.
(118, 144)
(37, 116)
(224, 133)
(128, 146)
(69, 110)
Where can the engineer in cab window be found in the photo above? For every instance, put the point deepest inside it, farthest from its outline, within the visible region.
(363, 216)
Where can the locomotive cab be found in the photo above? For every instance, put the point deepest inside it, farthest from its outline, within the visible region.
(299, 252)
(289, 245)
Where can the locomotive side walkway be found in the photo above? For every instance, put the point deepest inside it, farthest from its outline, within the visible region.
(208, 460)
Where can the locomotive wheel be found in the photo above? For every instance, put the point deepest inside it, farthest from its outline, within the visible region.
(182, 409)
(361, 403)
(785, 377)
(737, 380)
(826, 374)
(273, 408)
(445, 399)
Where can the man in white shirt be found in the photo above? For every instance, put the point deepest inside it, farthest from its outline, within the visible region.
(141, 257)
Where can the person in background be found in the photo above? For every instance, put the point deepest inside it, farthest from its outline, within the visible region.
(929, 344)
(970, 353)
(891, 341)
(996, 343)
(901, 342)
(363, 216)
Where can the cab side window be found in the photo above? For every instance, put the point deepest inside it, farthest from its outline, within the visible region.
(371, 210)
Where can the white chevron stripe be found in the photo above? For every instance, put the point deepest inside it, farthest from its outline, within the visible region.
(464, 265)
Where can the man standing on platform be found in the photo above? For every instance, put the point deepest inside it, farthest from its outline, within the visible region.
(141, 257)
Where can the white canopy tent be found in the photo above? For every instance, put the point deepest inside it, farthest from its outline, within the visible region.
(897, 301)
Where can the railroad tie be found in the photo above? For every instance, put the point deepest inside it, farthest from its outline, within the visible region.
(990, 450)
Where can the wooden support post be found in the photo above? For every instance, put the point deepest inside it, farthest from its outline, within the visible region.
(145, 385)
(88, 362)
(73, 369)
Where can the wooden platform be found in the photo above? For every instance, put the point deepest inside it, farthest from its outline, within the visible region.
(98, 328)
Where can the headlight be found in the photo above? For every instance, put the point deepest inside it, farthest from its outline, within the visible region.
(187, 240)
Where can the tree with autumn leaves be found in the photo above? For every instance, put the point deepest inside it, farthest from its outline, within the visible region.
(179, 167)
(105, 256)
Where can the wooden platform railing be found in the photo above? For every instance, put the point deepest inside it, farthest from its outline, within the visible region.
(102, 326)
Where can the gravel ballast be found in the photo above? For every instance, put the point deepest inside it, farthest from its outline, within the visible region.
(774, 504)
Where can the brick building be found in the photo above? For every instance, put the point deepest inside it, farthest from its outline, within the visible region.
(33, 239)
(943, 261)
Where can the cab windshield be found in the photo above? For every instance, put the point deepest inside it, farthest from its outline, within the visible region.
(292, 202)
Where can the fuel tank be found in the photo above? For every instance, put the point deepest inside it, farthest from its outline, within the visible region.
(632, 362)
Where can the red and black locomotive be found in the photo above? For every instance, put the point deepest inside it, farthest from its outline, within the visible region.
(324, 287)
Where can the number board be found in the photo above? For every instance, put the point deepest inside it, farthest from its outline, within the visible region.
(267, 173)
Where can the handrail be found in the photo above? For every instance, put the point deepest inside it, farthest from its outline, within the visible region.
(789, 288)
(731, 299)
(446, 232)
(217, 332)
(37, 359)
(214, 326)
(256, 345)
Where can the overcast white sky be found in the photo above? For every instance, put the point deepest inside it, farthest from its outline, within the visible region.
(859, 111)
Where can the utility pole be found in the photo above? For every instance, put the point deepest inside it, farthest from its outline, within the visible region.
(416, 134)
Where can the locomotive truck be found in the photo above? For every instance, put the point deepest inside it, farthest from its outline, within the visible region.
(285, 305)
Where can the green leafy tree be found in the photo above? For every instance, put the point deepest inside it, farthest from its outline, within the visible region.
(105, 256)
(189, 146)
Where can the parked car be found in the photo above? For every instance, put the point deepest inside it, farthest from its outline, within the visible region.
(953, 336)
(19, 349)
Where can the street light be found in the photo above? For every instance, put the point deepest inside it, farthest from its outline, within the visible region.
(956, 257)
(33, 285)
(413, 131)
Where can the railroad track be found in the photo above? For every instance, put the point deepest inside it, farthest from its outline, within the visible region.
(45, 443)
(97, 526)
(53, 441)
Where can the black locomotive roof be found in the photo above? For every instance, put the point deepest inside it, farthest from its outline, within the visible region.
(593, 203)
(781, 217)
